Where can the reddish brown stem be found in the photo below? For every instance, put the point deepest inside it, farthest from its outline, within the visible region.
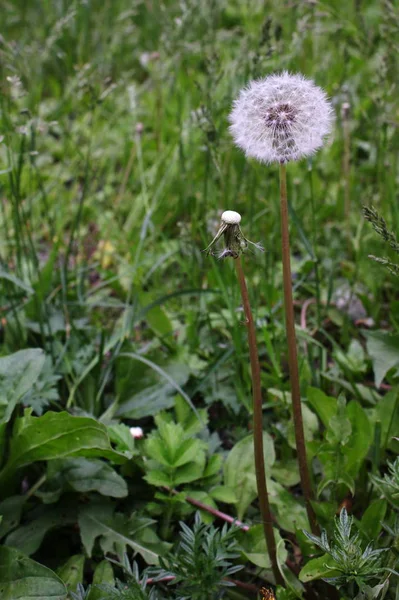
(258, 427)
(292, 355)
(241, 584)
(213, 511)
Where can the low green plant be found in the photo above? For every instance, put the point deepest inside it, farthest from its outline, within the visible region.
(346, 562)
(81, 593)
(203, 561)
(135, 588)
(389, 484)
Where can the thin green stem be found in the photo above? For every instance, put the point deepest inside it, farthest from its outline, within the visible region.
(292, 354)
(257, 426)
(35, 486)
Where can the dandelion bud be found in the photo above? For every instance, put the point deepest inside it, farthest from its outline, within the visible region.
(281, 118)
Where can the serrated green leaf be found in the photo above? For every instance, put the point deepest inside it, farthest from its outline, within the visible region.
(190, 471)
(159, 478)
(98, 520)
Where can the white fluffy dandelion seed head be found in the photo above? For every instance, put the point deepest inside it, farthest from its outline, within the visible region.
(231, 217)
(281, 118)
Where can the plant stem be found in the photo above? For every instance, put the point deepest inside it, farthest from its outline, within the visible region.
(346, 163)
(292, 354)
(257, 426)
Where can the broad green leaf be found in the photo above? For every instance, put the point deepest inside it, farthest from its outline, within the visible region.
(354, 359)
(341, 477)
(372, 519)
(324, 406)
(24, 579)
(151, 400)
(148, 402)
(347, 480)
(18, 373)
(156, 317)
(71, 572)
(98, 520)
(310, 426)
(387, 412)
(360, 440)
(56, 435)
(239, 470)
(291, 514)
(92, 475)
(339, 430)
(383, 349)
(102, 574)
(254, 549)
(28, 537)
(120, 435)
(205, 498)
(223, 493)
(318, 568)
(286, 472)
(10, 510)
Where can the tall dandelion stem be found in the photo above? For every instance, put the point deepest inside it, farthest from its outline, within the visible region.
(292, 354)
(257, 426)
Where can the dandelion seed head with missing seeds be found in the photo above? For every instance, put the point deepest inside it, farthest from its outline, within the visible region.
(234, 240)
(281, 118)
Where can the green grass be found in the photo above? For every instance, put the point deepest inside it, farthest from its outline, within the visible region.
(115, 165)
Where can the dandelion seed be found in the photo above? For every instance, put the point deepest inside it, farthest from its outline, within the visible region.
(281, 118)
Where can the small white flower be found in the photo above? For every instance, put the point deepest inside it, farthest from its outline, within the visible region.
(281, 118)
(137, 432)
